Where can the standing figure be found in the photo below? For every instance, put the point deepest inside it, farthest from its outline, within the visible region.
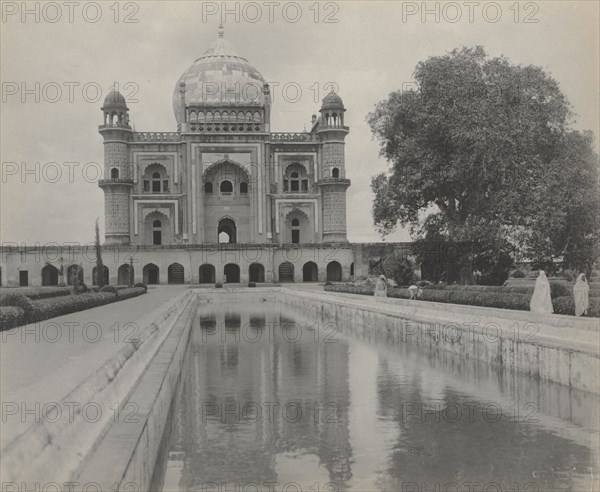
(541, 302)
(381, 287)
(581, 295)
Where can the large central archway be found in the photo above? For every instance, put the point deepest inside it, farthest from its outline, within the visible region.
(227, 231)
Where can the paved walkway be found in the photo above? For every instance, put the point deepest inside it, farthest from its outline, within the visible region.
(35, 359)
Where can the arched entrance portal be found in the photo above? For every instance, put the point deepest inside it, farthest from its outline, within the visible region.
(286, 272)
(151, 274)
(175, 274)
(49, 275)
(232, 273)
(71, 273)
(334, 272)
(227, 231)
(123, 275)
(256, 272)
(206, 274)
(310, 272)
(95, 276)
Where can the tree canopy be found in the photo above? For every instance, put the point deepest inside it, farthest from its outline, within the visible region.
(481, 151)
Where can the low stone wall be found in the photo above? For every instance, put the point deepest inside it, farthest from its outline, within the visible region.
(131, 446)
(54, 451)
(556, 348)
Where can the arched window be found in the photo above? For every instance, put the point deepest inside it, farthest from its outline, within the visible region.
(226, 188)
(335, 172)
(294, 182)
(156, 179)
(156, 232)
(156, 182)
(295, 179)
(114, 173)
(208, 189)
(295, 231)
(243, 188)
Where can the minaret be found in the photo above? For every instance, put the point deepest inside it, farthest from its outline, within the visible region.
(118, 173)
(333, 182)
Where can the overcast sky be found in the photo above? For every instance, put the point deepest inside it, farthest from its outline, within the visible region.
(370, 51)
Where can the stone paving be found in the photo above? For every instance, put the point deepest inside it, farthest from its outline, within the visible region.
(48, 358)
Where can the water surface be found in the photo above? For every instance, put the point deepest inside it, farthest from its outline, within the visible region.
(271, 400)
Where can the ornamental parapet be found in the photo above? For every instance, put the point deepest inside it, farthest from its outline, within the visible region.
(293, 137)
(115, 181)
(156, 137)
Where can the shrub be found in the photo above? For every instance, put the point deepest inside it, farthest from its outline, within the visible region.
(218, 285)
(111, 289)
(20, 301)
(128, 293)
(143, 286)
(518, 274)
(350, 289)
(251, 284)
(58, 306)
(423, 283)
(80, 289)
(11, 316)
(564, 305)
(36, 293)
(399, 268)
(558, 289)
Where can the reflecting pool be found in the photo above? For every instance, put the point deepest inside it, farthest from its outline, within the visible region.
(270, 400)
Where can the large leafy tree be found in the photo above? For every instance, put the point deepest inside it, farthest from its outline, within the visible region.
(473, 149)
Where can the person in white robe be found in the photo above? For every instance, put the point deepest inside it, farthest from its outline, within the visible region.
(541, 302)
(381, 287)
(581, 295)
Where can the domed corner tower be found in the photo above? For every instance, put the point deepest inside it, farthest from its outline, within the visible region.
(118, 174)
(333, 182)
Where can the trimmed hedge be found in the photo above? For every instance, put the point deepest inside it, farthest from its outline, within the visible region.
(36, 294)
(143, 286)
(11, 316)
(59, 306)
(566, 305)
(557, 289)
(131, 292)
(111, 289)
(35, 311)
(486, 298)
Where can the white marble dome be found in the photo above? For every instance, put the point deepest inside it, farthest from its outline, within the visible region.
(220, 77)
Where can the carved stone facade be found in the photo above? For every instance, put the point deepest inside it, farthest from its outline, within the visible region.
(223, 176)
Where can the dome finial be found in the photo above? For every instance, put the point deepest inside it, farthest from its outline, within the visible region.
(221, 30)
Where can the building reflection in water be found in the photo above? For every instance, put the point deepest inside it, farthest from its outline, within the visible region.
(260, 396)
(264, 399)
